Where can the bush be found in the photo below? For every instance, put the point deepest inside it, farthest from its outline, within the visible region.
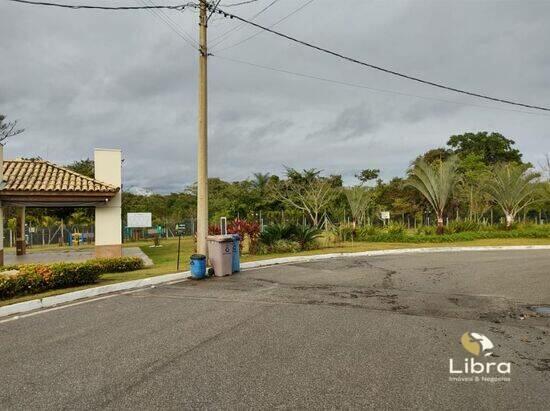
(457, 237)
(462, 226)
(365, 232)
(345, 232)
(426, 230)
(33, 278)
(302, 235)
(276, 232)
(306, 236)
(396, 229)
(286, 246)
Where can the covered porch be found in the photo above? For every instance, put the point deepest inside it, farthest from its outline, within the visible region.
(39, 183)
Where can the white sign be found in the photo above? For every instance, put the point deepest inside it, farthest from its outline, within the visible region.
(385, 215)
(139, 220)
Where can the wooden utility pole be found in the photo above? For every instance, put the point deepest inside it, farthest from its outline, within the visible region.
(202, 147)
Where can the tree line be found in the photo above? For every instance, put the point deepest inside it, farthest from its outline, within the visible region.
(477, 176)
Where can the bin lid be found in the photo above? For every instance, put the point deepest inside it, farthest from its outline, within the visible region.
(220, 238)
(198, 257)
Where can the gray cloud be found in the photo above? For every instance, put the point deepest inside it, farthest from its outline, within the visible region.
(83, 79)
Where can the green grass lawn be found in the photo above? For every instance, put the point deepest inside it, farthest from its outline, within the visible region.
(165, 257)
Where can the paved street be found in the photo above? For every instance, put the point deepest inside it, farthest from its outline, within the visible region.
(343, 333)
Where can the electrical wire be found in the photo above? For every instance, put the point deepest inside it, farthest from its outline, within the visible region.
(379, 68)
(242, 3)
(77, 7)
(303, 43)
(170, 23)
(374, 89)
(271, 26)
(224, 36)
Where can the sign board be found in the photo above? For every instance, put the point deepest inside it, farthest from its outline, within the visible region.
(139, 220)
(180, 228)
(385, 215)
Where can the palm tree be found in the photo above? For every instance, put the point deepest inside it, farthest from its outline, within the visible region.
(436, 183)
(511, 187)
(77, 220)
(48, 222)
(260, 180)
(359, 200)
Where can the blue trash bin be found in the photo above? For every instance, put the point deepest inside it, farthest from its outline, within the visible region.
(236, 260)
(198, 266)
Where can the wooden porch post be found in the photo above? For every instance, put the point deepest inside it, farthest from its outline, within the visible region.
(20, 244)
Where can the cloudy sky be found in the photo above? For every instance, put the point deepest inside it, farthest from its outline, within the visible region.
(83, 79)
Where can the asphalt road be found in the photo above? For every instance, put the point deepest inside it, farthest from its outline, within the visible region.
(343, 333)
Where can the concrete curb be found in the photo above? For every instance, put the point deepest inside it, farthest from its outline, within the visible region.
(89, 292)
(161, 279)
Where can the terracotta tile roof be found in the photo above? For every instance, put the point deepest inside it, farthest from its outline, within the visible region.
(43, 176)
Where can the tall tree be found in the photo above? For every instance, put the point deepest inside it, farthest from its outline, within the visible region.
(8, 129)
(306, 191)
(84, 167)
(367, 175)
(511, 187)
(435, 154)
(493, 148)
(359, 199)
(436, 183)
(260, 180)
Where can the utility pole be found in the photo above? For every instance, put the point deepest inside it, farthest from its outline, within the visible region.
(202, 147)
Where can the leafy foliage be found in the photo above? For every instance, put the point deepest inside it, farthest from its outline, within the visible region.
(368, 174)
(34, 278)
(84, 167)
(436, 183)
(302, 235)
(512, 189)
(493, 148)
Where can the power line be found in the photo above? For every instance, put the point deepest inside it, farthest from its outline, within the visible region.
(382, 69)
(242, 3)
(76, 7)
(271, 26)
(170, 23)
(377, 90)
(301, 42)
(224, 36)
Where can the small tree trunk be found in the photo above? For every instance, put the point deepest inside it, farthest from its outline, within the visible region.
(440, 225)
(509, 220)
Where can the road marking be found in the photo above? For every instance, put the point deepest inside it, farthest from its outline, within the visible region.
(60, 307)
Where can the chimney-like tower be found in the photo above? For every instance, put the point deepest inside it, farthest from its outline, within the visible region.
(1, 208)
(108, 218)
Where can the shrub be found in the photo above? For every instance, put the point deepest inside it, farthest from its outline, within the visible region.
(246, 228)
(365, 232)
(286, 246)
(303, 235)
(276, 232)
(345, 232)
(464, 236)
(462, 226)
(33, 278)
(306, 236)
(396, 229)
(426, 230)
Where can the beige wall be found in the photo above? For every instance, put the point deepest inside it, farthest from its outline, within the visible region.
(1, 209)
(108, 218)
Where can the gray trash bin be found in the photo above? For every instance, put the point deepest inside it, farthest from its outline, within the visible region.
(220, 253)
